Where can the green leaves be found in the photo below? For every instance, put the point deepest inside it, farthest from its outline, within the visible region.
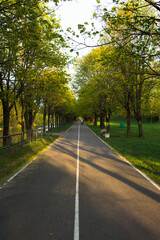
(30, 41)
(93, 83)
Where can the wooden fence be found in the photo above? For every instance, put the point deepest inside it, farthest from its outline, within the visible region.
(21, 138)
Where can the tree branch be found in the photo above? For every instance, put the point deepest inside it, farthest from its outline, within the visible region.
(153, 4)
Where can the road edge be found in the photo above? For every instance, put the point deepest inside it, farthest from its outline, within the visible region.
(127, 161)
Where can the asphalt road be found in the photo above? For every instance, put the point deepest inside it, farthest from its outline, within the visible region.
(115, 201)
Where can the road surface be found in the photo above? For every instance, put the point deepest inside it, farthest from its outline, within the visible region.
(79, 189)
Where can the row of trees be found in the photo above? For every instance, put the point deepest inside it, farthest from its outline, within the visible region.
(32, 74)
(123, 73)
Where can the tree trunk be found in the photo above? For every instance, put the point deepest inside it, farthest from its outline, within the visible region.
(49, 114)
(108, 124)
(29, 119)
(6, 110)
(95, 119)
(128, 124)
(60, 120)
(91, 119)
(102, 125)
(138, 114)
(6, 117)
(108, 120)
(26, 117)
(44, 118)
(56, 120)
(22, 120)
(139, 121)
(140, 128)
(52, 120)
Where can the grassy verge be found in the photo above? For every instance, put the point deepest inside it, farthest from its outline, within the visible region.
(61, 128)
(19, 156)
(143, 153)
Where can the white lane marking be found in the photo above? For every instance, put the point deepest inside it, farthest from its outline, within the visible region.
(76, 218)
(144, 175)
(69, 128)
(10, 179)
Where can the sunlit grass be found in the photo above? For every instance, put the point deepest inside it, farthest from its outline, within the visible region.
(20, 156)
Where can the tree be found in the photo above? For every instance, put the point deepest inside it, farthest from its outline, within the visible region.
(95, 84)
(151, 104)
(66, 108)
(53, 84)
(131, 30)
(29, 40)
(14, 19)
(131, 21)
(120, 65)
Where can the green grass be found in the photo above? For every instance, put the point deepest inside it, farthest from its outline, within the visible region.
(61, 128)
(143, 153)
(20, 156)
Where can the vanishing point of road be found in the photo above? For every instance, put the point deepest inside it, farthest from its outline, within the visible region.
(79, 189)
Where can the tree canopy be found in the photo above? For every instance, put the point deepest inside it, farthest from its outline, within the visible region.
(30, 43)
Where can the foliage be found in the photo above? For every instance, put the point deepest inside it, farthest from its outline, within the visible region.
(95, 83)
(128, 61)
(30, 41)
(133, 22)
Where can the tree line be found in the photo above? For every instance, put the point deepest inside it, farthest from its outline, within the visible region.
(122, 73)
(32, 65)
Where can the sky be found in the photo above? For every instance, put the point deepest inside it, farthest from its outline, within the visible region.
(77, 12)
